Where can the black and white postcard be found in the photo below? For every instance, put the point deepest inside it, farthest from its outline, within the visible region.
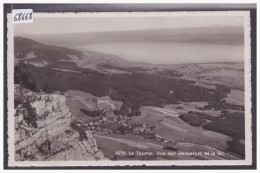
(129, 89)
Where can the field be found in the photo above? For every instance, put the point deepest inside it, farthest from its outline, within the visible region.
(235, 97)
(110, 144)
(212, 74)
(169, 126)
(77, 100)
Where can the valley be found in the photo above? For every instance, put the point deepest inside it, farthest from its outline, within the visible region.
(137, 106)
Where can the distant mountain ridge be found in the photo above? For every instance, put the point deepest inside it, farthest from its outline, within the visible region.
(217, 35)
(61, 56)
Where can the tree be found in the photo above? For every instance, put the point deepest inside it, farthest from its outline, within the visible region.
(125, 110)
(46, 88)
(117, 112)
(22, 77)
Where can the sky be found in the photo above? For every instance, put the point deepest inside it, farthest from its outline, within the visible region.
(61, 25)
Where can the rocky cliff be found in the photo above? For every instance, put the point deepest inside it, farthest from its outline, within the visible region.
(44, 129)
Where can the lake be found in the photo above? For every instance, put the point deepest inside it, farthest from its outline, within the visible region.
(169, 53)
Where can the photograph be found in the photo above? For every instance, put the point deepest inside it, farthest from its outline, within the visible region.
(129, 88)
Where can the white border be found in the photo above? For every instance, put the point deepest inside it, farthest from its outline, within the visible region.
(248, 104)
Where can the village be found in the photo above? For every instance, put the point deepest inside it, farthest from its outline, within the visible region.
(104, 119)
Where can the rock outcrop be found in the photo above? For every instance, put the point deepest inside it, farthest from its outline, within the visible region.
(44, 130)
